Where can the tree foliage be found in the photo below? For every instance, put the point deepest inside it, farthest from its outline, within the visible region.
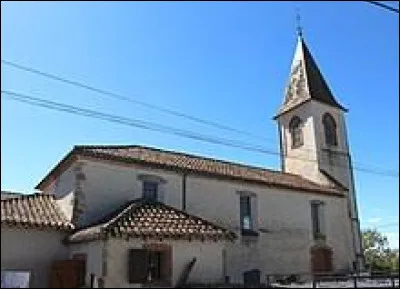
(378, 255)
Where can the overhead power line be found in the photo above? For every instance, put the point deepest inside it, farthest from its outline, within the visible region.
(129, 99)
(157, 127)
(128, 121)
(384, 6)
(151, 106)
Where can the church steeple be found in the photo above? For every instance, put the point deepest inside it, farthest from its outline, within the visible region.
(313, 137)
(306, 81)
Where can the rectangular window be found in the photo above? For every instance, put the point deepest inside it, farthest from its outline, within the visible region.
(316, 218)
(150, 191)
(246, 221)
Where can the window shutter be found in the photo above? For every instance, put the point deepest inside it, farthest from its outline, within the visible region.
(137, 265)
(166, 264)
(315, 220)
(254, 213)
(150, 191)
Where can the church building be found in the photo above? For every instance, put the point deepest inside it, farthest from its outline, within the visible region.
(136, 216)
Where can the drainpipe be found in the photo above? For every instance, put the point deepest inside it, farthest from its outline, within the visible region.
(356, 221)
(281, 147)
(104, 261)
(224, 266)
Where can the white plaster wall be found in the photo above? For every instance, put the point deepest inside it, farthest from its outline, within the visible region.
(283, 216)
(31, 250)
(337, 165)
(284, 221)
(63, 188)
(109, 186)
(302, 160)
(208, 267)
(336, 162)
(63, 184)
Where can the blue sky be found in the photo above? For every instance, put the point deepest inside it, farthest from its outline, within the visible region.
(222, 61)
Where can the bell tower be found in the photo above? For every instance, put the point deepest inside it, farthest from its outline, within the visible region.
(313, 137)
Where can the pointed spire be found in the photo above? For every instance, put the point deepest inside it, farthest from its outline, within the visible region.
(306, 81)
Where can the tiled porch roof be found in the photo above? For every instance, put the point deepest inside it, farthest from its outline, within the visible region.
(153, 220)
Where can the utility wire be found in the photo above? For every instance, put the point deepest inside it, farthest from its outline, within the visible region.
(384, 6)
(125, 98)
(138, 102)
(127, 121)
(157, 127)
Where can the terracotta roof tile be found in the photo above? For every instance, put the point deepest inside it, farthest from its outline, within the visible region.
(35, 210)
(141, 219)
(202, 165)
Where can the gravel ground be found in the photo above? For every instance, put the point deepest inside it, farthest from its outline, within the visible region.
(343, 284)
(378, 283)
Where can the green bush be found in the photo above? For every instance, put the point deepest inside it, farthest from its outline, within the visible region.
(378, 255)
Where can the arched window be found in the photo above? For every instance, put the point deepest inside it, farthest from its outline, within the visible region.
(295, 128)
(330, 129)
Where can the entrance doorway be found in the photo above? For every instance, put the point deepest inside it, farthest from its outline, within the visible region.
(67, 274)
(321, 259)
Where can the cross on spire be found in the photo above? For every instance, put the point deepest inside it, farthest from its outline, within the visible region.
(298, 24)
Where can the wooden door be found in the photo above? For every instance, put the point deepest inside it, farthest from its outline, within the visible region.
(67, 274)
(321, 259)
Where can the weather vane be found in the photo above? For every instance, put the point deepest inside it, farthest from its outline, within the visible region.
(298, 25)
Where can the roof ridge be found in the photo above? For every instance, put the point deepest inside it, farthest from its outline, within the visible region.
(27, 196)
(12, 192)
(114, 219)
(191, 163)
(183, 154)
(206, 158)
(103, 146)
